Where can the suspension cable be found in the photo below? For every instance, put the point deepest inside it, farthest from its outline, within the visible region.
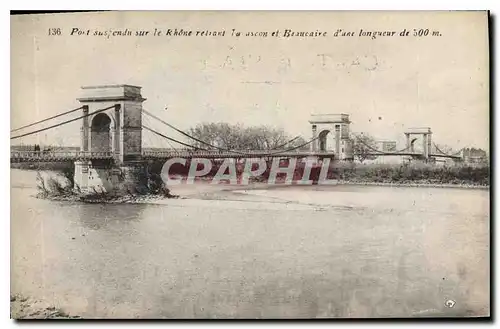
(437, 149)
(443, 153)
(293, 148)
(370, 147)
(161, 140)
(147, 138)
(172, 139)
(288, 142)
(189, 136)
(378, 151)
(185, 134)
(47, 119)
(63, 123)
(221, 148)
(153, 138)
(248, 154)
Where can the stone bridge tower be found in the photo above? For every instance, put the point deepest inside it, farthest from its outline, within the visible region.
(332, 131)
(117, 130)
(426, 134)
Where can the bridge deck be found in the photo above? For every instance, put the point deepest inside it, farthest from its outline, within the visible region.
(414, 154)
(228, 154)
(58, 156)
(62, 156)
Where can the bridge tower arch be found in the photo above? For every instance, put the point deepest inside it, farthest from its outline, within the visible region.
(426, 134)
(332, 135)
(323, 140)
(118, 129)
(101, 138)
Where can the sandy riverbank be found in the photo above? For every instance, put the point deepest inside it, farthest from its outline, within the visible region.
(22, 308)
(462, 186)
(225, 192)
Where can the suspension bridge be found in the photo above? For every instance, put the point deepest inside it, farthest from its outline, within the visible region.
(409, 152)
(113, 122)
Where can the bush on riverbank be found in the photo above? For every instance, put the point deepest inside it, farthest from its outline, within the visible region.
(58, 186)
(43, 166)
(53, 186)
(414, 173)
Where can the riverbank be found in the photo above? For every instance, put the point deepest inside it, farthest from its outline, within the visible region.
(22, 308)
(411, 184)
(106, 198)
(202, 188)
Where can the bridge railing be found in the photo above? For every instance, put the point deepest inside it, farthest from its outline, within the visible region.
(59, 154)
(163, 153)
(238, 153)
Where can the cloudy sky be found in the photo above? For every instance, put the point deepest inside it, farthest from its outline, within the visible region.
(386, 84)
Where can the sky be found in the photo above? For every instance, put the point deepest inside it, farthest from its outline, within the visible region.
(386, 85)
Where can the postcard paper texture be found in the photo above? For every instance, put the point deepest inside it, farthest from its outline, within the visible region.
(250, 165)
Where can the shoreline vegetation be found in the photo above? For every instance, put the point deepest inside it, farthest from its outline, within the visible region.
(60, 186)
(416, 184)
(105, 198)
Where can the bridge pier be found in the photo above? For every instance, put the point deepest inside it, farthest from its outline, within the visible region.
(94, 177)
(105, 177)
(133, 178)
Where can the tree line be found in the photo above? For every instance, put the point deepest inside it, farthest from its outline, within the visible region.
(239, 137)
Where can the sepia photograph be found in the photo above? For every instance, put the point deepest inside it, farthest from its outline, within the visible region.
(250, 165)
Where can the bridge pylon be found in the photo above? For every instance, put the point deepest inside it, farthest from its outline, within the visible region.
(332, 133)
(117, 131)
(426, 134)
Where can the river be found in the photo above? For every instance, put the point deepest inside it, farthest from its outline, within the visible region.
(288, 252)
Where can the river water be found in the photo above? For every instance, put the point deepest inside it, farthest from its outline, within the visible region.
(293, 252)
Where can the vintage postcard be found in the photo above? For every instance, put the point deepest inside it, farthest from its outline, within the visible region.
(250, 165)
